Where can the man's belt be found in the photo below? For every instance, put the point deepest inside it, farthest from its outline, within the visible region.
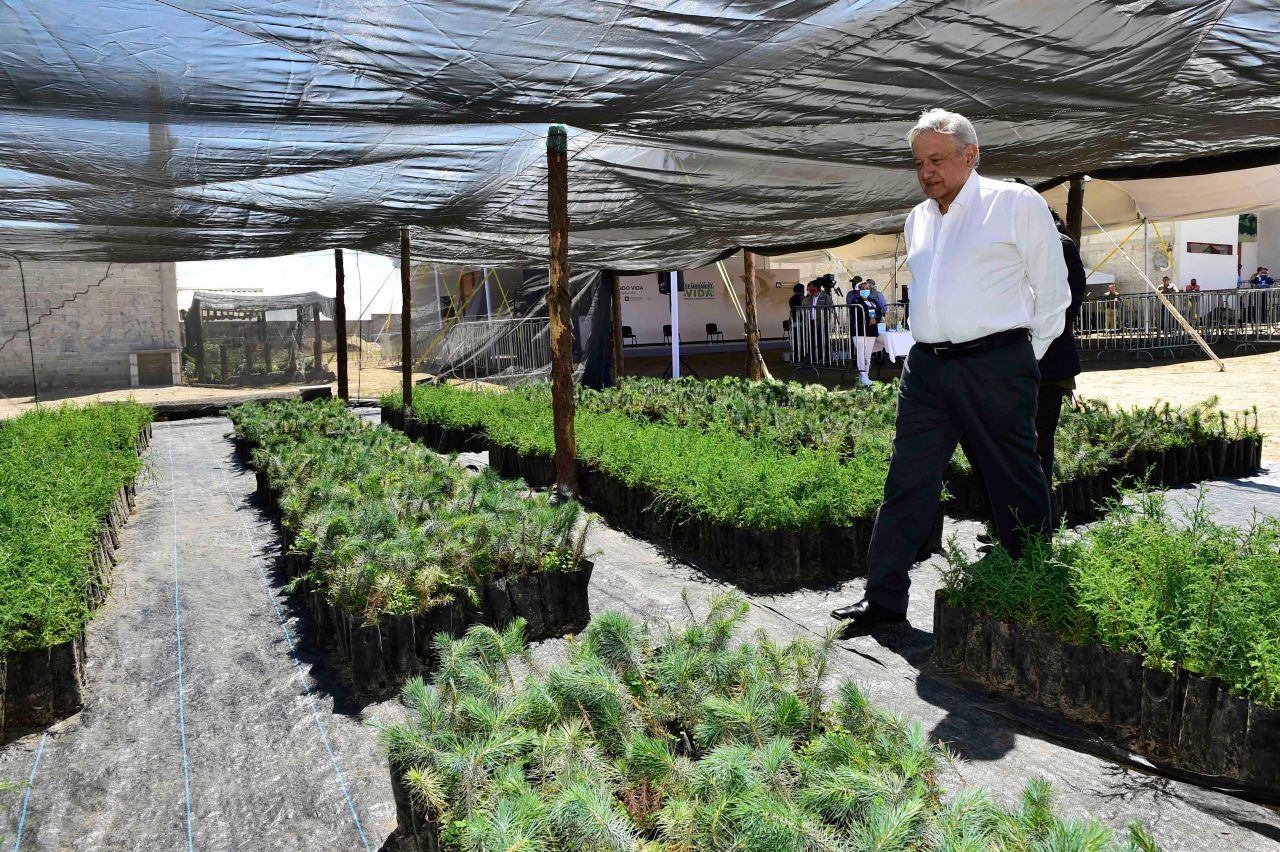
(981, 344)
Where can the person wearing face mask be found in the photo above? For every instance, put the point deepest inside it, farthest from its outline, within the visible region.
(876, 296)
(864, 320)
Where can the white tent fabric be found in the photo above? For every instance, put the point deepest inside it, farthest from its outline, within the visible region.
(1188, 197)
(189, 129)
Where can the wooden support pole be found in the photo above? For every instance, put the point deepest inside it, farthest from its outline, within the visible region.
(340, 323)
(611, 279)
(406, 325)
(558, 309)
(202, 369)
(755, 361)
(1075, 207)
(266, 343)
(317, 345)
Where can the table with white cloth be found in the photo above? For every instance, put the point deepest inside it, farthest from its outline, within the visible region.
(894, 343)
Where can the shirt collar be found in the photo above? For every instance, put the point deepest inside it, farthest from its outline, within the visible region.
(963, 198)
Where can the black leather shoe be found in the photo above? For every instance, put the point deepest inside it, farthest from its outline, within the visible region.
(865, 615)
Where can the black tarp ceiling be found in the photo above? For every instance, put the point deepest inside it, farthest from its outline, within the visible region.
(189, 129)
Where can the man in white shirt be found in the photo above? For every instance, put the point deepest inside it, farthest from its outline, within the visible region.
(988, 295)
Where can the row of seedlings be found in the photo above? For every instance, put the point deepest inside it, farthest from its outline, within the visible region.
(1100, 450)
(684, 740)
(67, 486)
(1097, 445)
(767, 519)
(391, 545)
(1160, 628)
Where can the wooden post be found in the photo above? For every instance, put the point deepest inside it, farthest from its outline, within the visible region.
(340, 323)
(266, 344)
(755, 361)
(611, 278)
(1075, 207)
(202, 370)
(406, 326)
(558, 310)
(317, 345)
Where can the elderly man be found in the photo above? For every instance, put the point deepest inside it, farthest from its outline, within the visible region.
(988, 296)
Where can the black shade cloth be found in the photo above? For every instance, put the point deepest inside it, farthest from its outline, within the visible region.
(189, 129)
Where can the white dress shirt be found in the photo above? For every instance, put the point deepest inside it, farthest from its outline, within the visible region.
(992, 263)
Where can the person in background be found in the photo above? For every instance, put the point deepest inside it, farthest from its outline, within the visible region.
(1111, 290)
(1193, 287)
(876, 296)
(815, 320)
(1166, 286)
(797, 296)
(855, 284)
(985, 309)
(1060, 364)
(864, 321)
(793, 315)
(1262, 279)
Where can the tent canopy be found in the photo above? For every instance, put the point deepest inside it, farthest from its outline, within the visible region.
(189, 129)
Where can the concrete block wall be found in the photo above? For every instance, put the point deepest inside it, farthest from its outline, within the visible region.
(86, 317)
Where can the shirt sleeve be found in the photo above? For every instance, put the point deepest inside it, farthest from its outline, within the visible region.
(1041, 249)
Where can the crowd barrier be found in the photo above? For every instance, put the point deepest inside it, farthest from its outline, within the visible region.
(1142, 325)
(832, 337)
(479, 349)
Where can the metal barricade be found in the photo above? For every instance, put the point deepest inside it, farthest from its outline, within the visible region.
(1138, 324)
(506, 348)
(829, 338)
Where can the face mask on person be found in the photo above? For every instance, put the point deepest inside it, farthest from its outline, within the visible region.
(864, 293)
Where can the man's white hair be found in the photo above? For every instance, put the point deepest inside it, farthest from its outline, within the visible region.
(951, 123)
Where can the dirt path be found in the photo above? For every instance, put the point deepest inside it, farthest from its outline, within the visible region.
(203, 729)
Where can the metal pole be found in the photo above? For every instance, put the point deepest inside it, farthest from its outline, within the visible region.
(488, 304)
(340, 323)
(562, 404)
(406, 327)
(675, 326)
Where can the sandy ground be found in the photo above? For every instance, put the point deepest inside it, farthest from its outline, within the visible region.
(1248, 381)
(365, 384)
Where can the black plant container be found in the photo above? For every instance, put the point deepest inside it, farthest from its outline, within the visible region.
(1179, 718)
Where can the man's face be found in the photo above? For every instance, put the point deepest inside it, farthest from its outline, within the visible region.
(942, 165)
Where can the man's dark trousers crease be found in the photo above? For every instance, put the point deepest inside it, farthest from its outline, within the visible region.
(982, 397)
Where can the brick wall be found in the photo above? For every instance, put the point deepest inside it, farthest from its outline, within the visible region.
(86, 318)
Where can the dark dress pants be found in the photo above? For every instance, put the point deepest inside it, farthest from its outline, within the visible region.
(1048, 413)
(989, 400)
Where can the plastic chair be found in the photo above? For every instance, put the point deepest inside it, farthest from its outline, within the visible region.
(666, 334)
(628, 334)
(714, 332)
